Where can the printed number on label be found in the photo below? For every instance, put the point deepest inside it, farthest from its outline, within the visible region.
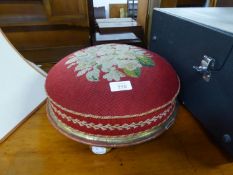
(120, 86)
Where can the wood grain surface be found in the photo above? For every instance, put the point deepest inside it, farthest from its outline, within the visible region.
(36, 148)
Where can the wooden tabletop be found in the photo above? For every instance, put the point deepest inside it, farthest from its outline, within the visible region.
(36, 148)
(117, 25)
(114, 20)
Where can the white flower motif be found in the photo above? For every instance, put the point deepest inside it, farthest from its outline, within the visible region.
(93, 75)
(115, 60)
(113, 74)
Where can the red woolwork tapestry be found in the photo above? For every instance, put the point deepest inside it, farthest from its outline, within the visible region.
(112, 95)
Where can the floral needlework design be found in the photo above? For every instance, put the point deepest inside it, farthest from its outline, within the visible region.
(111, 61)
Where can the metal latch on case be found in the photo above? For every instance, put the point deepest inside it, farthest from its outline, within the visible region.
(207, 64)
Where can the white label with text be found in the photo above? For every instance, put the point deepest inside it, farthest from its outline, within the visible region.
(120, 86)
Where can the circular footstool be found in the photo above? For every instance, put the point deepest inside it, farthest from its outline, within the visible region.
(112, 95)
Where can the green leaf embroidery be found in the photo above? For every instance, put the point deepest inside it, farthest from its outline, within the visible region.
(145, 61)
(133, 73)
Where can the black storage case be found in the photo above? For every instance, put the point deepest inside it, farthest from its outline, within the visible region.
(198, 42)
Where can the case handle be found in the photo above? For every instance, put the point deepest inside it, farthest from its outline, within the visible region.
(206, 65)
